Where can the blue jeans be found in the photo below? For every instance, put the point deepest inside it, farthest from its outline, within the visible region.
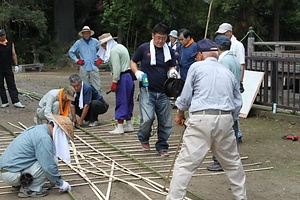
(152, 103)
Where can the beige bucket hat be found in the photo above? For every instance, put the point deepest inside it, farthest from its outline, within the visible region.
(105, 37)
(65, 124)
(84, 29)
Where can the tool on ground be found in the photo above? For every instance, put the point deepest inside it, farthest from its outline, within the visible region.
(291, 137)
(175, 156)
(26, 179)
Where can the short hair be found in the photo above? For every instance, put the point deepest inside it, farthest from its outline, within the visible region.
(75, 78)
(224, 47)
(185, 32)
(161, 28)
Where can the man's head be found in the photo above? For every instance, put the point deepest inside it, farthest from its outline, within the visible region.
(173, 36)
(86, 33)
(68, 93)
(223, 42)
(2, 35)
(75, 82)
(104, 38)
(184, 36)
(206, 48)
(225, 29)
(65, 124)
(160, 35)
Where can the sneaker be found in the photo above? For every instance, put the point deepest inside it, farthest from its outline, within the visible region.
(19, 105)
(25, 193)
(117, 131)
(215, 167)
(163, 153)
(86, 123)
(4, 105)
(95, 123)
(128, 129)
(146, 146)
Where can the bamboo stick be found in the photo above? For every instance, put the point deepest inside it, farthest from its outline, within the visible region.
(110, 180)
(16, 126)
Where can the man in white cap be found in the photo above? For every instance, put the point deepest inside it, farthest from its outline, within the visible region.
(239, 51)
(122, 83)
(87, 49)
(30, 159)
(56, 101)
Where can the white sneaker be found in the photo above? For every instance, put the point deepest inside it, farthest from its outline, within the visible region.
(86, 123)
(128, 129)
(19, 105)
(4, 105)
(95, 123)
(118, 130)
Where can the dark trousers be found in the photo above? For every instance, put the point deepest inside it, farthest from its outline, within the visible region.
(96, 108)
(9, 77)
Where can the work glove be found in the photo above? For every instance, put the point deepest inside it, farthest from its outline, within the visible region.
(65, 187)
(172, 73)
(113, 86)
(242, 87)
(80, 62)
(16, 68)
(139, 75)
(98, 62)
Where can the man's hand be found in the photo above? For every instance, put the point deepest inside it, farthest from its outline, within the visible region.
(242, 87)
(16, 68)
(113, 86)
(65, 187)
(98, 62)
(172, 73)
(80, 62)
(179, 117)
(139, 75)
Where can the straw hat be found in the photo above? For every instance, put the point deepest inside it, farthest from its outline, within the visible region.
(69, 91)
(84, 29)
(105, 37)
(65, 124)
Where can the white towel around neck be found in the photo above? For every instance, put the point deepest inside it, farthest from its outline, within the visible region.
(61, 144)
(80, 97)
(105, 54)
(166, 50)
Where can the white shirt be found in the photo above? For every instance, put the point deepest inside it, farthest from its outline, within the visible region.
(238, 49)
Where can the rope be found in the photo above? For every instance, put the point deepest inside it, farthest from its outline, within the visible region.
(252, 31)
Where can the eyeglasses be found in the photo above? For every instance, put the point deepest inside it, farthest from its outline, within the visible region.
(161, 38)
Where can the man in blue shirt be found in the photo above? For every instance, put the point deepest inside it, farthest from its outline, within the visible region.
(87, 48)
(88, 104)
(158, 62)
(32, 153)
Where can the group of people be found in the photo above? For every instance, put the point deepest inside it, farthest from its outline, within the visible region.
(213, 74)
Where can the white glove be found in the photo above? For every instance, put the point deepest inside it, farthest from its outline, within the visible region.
(172, 73)
(65, 187)
(138, 75)
(16, 68)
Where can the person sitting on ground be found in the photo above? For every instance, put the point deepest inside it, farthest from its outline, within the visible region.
(30, 161)
(56, 101)
(88, 104)
(122, 83)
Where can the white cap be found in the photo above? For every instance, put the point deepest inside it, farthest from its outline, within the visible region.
(223, 28)
(173, 33)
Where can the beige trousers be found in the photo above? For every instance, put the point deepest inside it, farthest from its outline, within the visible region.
(204, 133)
(92, 78)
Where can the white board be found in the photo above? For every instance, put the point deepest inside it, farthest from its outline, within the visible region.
(252, 81)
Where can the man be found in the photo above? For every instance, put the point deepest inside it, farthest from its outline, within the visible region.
(87, 49)
(29, 160)
(7, 51)
(239, 51)
(185, 51)
(122, 83)
(88, 104)
(173, 37)
(213, 105)
(56, 101)
(157, 62)
(227, 59)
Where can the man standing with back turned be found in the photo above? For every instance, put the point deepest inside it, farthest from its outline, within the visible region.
(213, 105)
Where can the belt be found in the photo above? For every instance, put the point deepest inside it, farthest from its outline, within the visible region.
(211, 112)
(3, 170)
(128, 71)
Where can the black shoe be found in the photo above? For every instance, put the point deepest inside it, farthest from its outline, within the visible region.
(25, 193)
(215, 167)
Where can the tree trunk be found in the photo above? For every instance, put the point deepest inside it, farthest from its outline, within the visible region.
(276, 17)
(64, 21)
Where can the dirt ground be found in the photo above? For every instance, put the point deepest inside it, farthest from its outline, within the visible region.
(262, 144)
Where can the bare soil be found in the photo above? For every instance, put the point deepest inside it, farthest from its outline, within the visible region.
(262, 143)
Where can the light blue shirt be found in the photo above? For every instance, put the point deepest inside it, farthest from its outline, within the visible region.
(210, 85)
(34, 144)
(231, 62)
(87, 51)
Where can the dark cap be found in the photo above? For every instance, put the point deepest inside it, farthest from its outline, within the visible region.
(2, 32)
(206, 45)
(222, 40)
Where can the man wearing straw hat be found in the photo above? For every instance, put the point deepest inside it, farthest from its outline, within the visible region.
(87, 49)
(31, 158)
(122, 83)
(56, 101)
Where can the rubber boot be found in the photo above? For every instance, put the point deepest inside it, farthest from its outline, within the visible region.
(128, 127)
(118, 130)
